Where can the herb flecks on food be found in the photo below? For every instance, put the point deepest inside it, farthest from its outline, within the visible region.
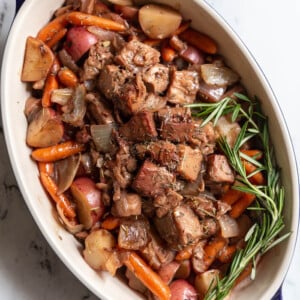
(264, 234)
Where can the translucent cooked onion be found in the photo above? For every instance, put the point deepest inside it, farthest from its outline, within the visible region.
(102, 136)
(218, 75)
(66, 171)
(61, 96)
(229, 226)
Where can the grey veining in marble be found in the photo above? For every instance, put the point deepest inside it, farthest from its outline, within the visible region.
(30, 270)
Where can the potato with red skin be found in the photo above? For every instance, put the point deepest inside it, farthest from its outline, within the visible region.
(45, 129)
(79, 41)
(182, 290)
(90, 207)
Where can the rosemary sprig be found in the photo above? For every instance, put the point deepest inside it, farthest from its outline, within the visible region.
(263, 235)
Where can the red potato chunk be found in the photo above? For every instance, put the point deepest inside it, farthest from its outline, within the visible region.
(182, 290)
(89, 202)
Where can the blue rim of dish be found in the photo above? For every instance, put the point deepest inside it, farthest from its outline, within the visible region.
(278, 295)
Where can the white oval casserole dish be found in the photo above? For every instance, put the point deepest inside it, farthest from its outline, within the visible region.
(32, 16)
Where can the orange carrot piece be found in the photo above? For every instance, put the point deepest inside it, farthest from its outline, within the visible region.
(167, 53)
(52, 28)
(225, 256)
(61, 199)
(56, 152)
(240, 206)
(50, 85)
(148, 277)
(46, 167)
(257, 154)
(111, 223)
(152, 42)
(231, 196)
(257, 178)
(57, 37)
(67, 77)
(199, 40)
(246, 273)
(211, 250)
(79, 18)
(185, 253)
(183, 27)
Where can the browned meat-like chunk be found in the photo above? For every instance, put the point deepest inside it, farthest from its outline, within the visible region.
(140, 128)
(99, 56)
(176, 124)
(178, 132)
(111, 79)
(154, 102)
(156, 78)
(130, 97)
(136, 54)
(204, 137)
(130, 204)
(165, 202)
(101, 113)
(189, 162)
(210, 227)
(198, 257)
(176, 114)
(133, 233)
(183, 87)
(202, 206)
(180, 227)
(163, 152)
(156, 253)
(153, 180)
(218, 169)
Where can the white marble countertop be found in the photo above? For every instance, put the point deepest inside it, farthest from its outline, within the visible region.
(29, 269)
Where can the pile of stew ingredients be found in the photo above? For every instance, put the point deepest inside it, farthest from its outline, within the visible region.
(135, 175)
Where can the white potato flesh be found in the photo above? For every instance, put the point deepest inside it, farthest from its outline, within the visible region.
(98, 248)
(45, 129)
(206, 280)
(159, 22)
(122, 2)
(37, 61)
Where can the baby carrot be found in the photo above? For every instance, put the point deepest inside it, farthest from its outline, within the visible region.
(57, 152)
(185, 253)
(246, 273)
(211, 250)
(61, 199)
(46, 167)
(257, 178)
(50, 85)
(111, 223)
(167, 53)
(79, 18)
(231, 196)
(67, 77)
(152, 42)
(254, 153)
(148, 277)
(57, 37)
(240, 206)
(183, 27)
(199, 40)
(52, 28)
(225, 256)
